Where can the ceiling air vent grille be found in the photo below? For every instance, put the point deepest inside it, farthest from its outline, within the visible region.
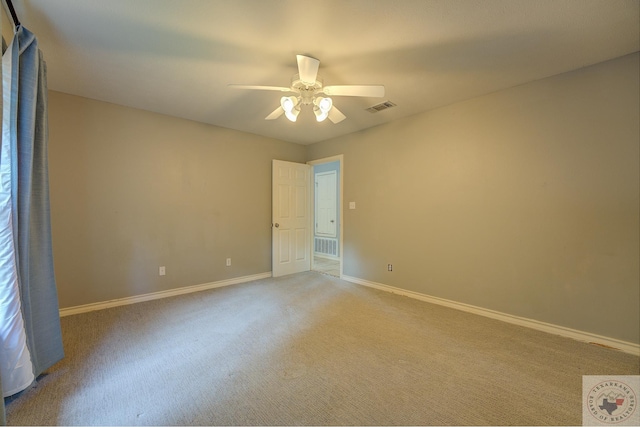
(382, 106)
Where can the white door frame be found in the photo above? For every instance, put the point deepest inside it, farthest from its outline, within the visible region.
(340, 159)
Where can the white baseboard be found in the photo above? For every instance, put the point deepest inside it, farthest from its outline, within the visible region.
(624, 346)
(161, 294)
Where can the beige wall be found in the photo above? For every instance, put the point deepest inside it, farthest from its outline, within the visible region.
(133, 190)
(6, 25)
(524, 201)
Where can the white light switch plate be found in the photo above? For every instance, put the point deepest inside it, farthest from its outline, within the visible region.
(352, 205)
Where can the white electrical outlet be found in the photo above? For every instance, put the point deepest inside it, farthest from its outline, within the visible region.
(162, 271)
(389, 267)
(228, 262)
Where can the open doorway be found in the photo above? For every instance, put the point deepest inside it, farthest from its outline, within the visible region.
(327, 215)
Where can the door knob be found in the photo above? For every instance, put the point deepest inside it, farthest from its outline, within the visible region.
(277, 225)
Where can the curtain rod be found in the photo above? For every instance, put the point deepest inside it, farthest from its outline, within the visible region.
(16, 21)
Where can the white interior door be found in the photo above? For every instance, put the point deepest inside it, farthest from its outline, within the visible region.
(291, 218)
(326, 212)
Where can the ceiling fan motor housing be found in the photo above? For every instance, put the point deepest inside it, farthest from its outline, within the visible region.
(307, 92)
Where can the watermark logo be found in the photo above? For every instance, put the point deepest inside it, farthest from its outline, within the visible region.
(610, 400)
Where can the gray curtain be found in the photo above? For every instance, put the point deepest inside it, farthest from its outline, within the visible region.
(3, 421)
(31, 192)
(30, 203)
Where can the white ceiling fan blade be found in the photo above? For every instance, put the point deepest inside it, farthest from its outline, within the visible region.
(275, 114)
(308, 69)
(253, 87)
(374, 91)
(336, 115)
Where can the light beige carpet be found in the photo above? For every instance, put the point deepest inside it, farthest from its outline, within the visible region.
(309, 349)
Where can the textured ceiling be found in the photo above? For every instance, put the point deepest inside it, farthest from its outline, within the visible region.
(177, 57)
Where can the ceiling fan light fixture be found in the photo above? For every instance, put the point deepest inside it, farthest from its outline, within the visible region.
(290, 106)
(288, 103)
(320, 116)
(322, 107)
(292, 115)
(324, 104)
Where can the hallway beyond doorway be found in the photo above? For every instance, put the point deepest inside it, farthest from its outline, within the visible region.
(326, 266)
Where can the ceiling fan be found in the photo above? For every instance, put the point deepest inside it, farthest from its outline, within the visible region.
(308, 89)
